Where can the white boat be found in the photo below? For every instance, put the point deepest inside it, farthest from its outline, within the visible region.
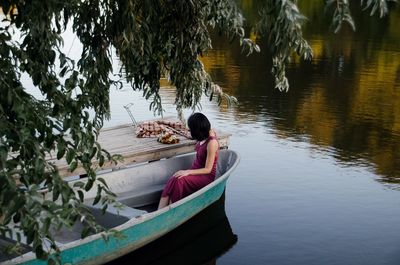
(136, 188)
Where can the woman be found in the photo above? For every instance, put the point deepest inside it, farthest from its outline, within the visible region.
(202, 171)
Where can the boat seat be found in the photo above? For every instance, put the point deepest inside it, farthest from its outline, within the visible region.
(124, 211)
(142, 197)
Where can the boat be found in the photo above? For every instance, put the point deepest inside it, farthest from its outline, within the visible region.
(138, 188)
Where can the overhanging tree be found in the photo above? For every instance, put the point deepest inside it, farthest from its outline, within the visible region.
(152, 38)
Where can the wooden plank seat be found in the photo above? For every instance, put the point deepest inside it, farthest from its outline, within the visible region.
(113, 216)
(121, 210)
(141, 197)
(128, 201)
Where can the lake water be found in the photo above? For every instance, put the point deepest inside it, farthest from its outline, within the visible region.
(318, 181)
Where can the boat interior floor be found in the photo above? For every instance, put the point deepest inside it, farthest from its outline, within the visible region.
(8, 243)
(130, 205)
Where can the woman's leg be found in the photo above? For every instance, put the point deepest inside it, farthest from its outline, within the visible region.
(164, 201)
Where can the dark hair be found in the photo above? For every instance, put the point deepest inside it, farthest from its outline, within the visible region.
(199, 126)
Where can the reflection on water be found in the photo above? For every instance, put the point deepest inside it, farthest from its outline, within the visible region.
(345, 101)
(197, 242)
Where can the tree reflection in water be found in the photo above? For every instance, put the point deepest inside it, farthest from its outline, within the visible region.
(344, 102)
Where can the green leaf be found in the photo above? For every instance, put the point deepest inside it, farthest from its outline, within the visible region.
(65, 192)
(73, 166)
(79, 184)
(102, 180)
(30, 234)
(101, 161)
(96, 199)
(89, 184)
(17, 218)
(63, 71)
(46, 224)
(70, 155)
(104, 208)
(56, 194)
(85, 232)
(81, 196)
(94, 151)
(61, 150)
(40, 253)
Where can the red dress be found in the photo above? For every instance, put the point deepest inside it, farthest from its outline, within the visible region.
(178, 188)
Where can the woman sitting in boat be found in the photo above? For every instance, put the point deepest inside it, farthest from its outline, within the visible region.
(202, 171)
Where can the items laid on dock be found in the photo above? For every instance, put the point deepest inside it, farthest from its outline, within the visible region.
(164, 130)
(167, 138)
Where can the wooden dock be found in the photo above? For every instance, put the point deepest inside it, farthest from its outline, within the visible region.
(122, 140)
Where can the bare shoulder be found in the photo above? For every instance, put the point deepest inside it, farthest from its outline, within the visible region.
(212, 144)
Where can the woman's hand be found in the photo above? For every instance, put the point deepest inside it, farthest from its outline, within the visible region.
(181, 173)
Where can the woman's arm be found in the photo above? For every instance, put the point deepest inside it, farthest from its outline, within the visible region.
(212, 148)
